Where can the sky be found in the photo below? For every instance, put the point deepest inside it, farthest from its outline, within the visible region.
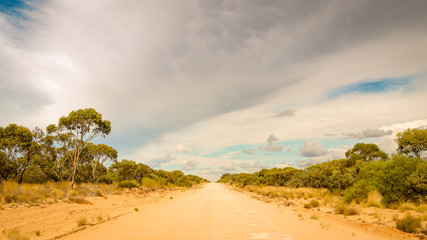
(209, 87)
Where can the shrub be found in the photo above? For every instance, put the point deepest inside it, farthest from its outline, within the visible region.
(150, 183)
(312, 204)
(136, 209)
(374, 199)
(408, 224)
(422, 208)
(407, 206)
(81, 222)
(340, 208)
(350, 210)
(37, 233)
(128, 184)
(14, 234)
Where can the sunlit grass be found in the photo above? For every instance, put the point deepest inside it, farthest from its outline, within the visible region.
(12, 192)
(374, 199)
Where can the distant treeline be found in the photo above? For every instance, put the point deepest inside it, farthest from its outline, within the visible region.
(403, 177)
(64, 152)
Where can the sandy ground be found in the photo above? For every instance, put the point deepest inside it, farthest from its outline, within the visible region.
(212, 212)
(59, 219)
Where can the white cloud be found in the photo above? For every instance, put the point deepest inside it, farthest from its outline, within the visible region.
(159, 161)
(189, 164)
(369, 133)
(312, 148)
(171, 75)
(271, 146)
(251, 166)
(228, 167)
(284, 113)
(250, 151)
(388, 145)
(183, 149)
(283, 164)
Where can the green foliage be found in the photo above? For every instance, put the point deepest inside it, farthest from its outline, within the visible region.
(418, 181)
(129, 170)
(65, 153)
(366, 169)
(412, 141)
(409, 224)
(128, 184)
(366, 152)
(84, 125)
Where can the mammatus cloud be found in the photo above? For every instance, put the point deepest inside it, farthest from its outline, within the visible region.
(189, 164)
(284, 113)
(369, 133)
(313, 148)
(271, 146)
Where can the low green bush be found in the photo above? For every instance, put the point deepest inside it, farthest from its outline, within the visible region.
(312, 204)
(409, 224)
(127, 184)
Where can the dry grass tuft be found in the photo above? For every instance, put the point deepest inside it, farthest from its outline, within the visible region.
(312, 204)
(14, 193)
(374, 199)
(79, 201)
(81, 222)
(405, 206)
(409, 224)
(15, 234)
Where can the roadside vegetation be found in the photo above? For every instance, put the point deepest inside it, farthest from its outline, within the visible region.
(366, 178)
(61, 162)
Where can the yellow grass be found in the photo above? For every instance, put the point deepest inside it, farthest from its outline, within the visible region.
(374, 199)
(12, 192)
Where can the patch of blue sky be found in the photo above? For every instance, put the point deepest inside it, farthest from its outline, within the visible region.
(374, 86)
(16, 8)
(290, 149)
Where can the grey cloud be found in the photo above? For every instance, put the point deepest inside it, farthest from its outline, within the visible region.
(273, 148)
(369, 133)
(284, 113)
(271, 139)
(189, 164)
(249, 151)
(312, 148)
(158, 162)
(270, 144)
(144, 76)
(228, 167)
(252, 167)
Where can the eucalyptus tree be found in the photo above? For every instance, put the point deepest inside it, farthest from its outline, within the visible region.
(412, 141)
(15, 143)
(100, 154)
(83, 125)
(58, 144)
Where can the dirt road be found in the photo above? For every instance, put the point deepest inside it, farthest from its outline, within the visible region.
(215, 212)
